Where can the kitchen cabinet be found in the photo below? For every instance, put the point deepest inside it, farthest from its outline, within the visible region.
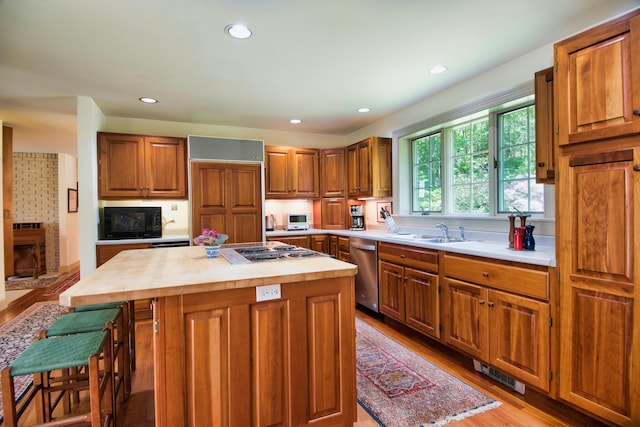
(597, 88)
(302, 241)
(227, 197)
(409, 286)
(319, 243)
(333, 170)
(546, 151)
(343, 248)
(291, 172)
(369, 168)
(500, 314)
(333, 213)
(598, 234)
(141, 167)
(142, 308)
(231, 361)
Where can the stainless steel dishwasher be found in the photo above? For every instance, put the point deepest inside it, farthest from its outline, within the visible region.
(364, 253)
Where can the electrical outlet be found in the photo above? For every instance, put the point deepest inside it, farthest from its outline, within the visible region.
(268, 292)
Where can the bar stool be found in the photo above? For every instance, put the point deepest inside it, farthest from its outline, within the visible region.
(80, 352)
(90, 321)
(129, 321)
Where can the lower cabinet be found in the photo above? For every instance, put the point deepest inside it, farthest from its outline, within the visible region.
(343, 248)
(302, 241)
(409, 286)
(223, 359)
(502, 328)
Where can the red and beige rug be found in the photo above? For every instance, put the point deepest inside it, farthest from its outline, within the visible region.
(17, 334)
(401, 389)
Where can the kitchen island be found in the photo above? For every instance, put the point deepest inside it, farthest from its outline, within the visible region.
(223, 358)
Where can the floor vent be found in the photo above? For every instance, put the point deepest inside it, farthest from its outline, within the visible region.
(499, 376)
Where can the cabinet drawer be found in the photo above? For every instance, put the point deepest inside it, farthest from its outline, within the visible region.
(519, 280)
(424, 259)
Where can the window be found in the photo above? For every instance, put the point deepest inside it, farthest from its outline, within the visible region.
(427, 157)
(457, 166)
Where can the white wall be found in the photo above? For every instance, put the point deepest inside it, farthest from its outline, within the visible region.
(69, 237)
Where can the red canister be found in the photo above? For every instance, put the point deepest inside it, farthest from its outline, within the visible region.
(518, 234)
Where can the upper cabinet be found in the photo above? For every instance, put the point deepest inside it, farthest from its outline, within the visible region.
(333, 170)
(291, 172)
(369, 168)
(597, 86)
(138, 166)
(545, 135)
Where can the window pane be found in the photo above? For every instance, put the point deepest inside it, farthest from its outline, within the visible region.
(516, 152)
(426, 155)
(470, 167)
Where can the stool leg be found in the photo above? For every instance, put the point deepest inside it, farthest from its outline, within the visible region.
(8, 401)
(132, 334)
(124, 335)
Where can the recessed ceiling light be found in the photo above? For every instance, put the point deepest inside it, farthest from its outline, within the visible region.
(238, 31)
(148, 100)
(364, 110)
(295, 121)
(437, 69)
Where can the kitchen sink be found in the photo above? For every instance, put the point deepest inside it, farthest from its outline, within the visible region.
(431, 239)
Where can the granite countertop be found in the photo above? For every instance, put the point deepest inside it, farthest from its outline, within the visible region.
(487, 245)
(151, 273)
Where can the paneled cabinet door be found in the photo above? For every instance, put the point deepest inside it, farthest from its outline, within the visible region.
(333, 214)
(369, 168)
(421, 302)
(306, 172)
(319, 243)
(597, 84)
(465, 317)
(165, 167)
(333, 170)
(519, 338)
(278, 169)
(121, 166)
(545, 134)
(598, 231)
(291, 172)
(392, 290)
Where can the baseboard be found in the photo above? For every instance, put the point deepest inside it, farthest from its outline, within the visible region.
(72, 268)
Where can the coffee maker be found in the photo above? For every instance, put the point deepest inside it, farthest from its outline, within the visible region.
(357, 217)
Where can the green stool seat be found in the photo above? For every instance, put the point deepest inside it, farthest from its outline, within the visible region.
(58, 353)
(103, 306)
(86, 321)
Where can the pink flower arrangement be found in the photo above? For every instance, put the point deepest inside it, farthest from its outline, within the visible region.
(210, 238)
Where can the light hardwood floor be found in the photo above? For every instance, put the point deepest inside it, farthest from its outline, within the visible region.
(533, 409)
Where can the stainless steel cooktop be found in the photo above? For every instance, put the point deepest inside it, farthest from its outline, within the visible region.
(244, 253)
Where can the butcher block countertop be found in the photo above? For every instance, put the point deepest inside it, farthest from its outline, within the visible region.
(151, 273)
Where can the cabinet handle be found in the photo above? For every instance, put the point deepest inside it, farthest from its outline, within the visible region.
(541, 164)
(490, 304)
(481, 302)
(636, 112)
(402, 255)
(636, 168)
(485, 274)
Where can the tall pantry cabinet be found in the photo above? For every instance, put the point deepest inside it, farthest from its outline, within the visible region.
(597, 98)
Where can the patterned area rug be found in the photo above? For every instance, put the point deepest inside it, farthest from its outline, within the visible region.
(401, 389)
(22, 283)
(17, 334)
(63, 284)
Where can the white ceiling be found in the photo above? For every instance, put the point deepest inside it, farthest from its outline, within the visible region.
(316, 61)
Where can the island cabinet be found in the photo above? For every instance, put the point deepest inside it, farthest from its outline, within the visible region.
(291, 172)
(498, 313)
(409, 286)
(597, 88)
(227, 360)
(138, 166)
(598, 241)
(369, 168)
(302, 241)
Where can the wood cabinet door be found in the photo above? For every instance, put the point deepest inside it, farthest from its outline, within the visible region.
(381, 167)
(120, 166)
(333, 167)
(545, 134)
(353, 171)
(105, 252)
(392, 290)
(422, 305)
(333, 214)
(7, 199)
(278, 169)
(364, 171)
(166, 167)
(519, 337)
(227, 197)
(598, 83)
(343, 248)
(319, 243)
(306, 175)
(466, 317)
(597, 235)
(302, 241)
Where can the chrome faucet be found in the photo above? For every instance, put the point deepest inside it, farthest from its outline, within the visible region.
(445, 230)
(461, 233)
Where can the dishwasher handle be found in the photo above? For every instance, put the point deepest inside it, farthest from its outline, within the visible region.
(363, 247)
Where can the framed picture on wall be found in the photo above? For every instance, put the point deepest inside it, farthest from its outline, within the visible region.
(383, 205)
(72, 200)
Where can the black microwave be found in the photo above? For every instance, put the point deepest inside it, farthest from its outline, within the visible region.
(132, 222)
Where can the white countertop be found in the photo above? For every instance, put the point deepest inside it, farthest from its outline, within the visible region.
(481, 246)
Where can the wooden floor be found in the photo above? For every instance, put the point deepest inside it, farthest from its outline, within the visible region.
(533, 409)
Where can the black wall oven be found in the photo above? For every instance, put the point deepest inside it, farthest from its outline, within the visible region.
(131, 222)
